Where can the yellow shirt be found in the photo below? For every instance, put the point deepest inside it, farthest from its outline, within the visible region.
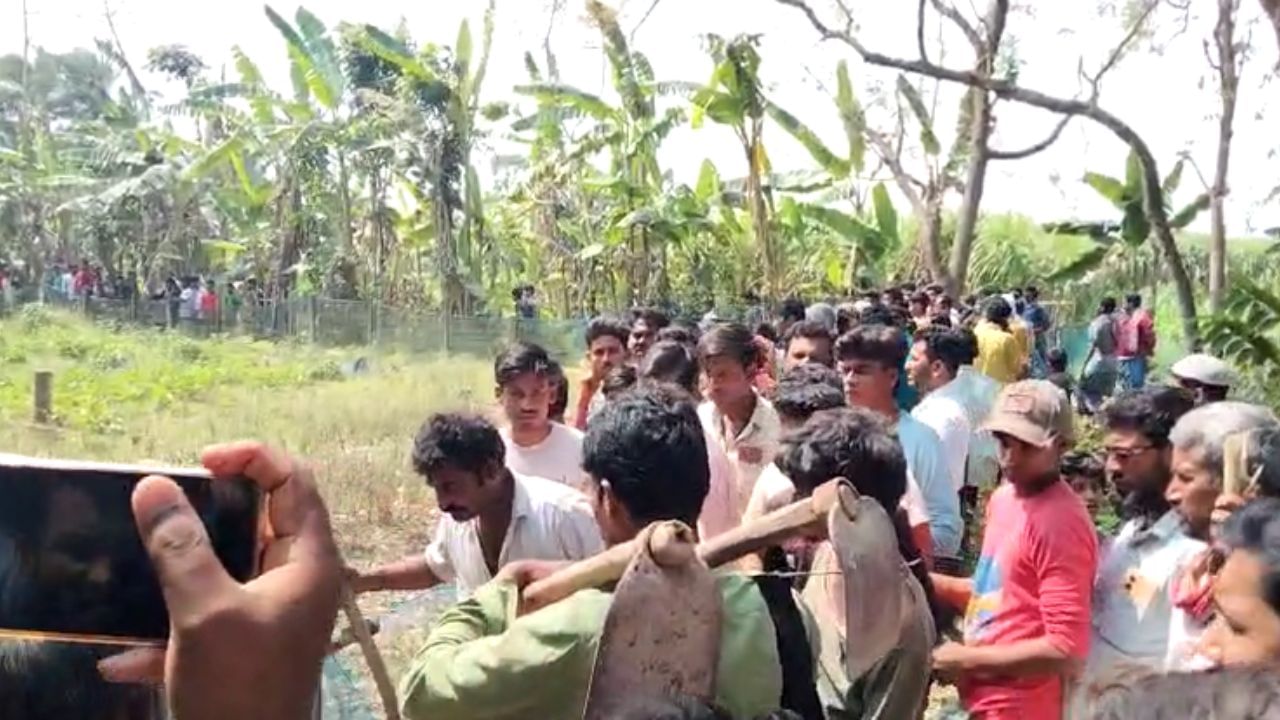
(999, 355)
(1022, 334)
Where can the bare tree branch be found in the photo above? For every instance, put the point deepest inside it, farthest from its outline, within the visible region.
(950, 13)
(1033, 149)
(924, 53)
(1153, 193)
(643, 19)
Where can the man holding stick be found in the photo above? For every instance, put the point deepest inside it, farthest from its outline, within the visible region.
(647, 461)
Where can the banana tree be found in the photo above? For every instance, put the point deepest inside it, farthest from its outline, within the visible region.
(1247, 334)
(735, 97)
(439, 100)
(1118, 260)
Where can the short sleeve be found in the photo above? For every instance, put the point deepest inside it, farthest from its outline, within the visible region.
(1065, 558)
(437, 553)
(913, 503)
(579, 532)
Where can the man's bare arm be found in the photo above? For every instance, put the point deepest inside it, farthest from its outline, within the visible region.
(412, 573)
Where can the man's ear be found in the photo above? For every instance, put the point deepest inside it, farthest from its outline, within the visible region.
(497, 392)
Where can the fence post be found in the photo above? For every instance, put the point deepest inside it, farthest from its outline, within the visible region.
(42, 398)
(315, 319)
(446, 318)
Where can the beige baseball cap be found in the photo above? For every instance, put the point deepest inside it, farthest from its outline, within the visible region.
(1033, 411)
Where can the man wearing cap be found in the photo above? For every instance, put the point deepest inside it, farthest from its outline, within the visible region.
(1207, 377)
(1027, 606)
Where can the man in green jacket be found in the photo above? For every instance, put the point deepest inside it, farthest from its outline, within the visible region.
(647, 459)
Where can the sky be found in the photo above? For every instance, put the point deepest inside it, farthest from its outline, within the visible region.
(1165, 89)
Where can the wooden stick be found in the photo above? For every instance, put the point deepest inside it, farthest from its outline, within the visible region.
(758, 535)
(377, 667)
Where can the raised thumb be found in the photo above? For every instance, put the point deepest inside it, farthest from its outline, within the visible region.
(191, 576)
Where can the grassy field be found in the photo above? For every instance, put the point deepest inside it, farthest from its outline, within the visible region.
(146, 396)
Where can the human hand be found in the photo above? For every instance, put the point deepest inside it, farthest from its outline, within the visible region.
(1224, 506)
(359, 582)
(523, 573)
(250, 651)
(951, 661)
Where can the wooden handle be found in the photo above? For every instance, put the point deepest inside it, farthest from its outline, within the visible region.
(377, 667)
(755, 536)
(771, 529)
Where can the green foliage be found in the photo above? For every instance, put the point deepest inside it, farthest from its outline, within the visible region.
(1247, 334)
(105, 377)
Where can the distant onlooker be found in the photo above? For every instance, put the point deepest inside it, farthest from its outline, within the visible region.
(1209, 378)
(791, 312)
(870, 359)
(1098, 381)
(646, 323)
(1135, 342)
(1059, 374)
(999, 355)
(743, 423)
(683, 334)
(808, 342)
(675, 364)
(535, 444)
(607, 339)
(559, 392)
(1086, 476)
(1037, 317)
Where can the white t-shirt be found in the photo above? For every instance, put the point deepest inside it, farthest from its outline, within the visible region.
(558, 457)
(752, 450)
(548, 522)
(774, 491)
(946, 416)
(927, 463)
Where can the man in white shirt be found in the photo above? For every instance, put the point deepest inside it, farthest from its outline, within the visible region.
(744, 423)
(492, 516)
(868, 357)
(535, 445)
(1134, 616)
(936, 356)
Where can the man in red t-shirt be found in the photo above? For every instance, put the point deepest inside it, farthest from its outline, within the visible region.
(1027, 606)
(1135, 342)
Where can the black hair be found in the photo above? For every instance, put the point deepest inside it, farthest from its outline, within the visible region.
(519, 359)
(856, 444)
(1245, 692)
(466, 442)
(895, 296)
(1265, 459)
(683, 334)
(1107, 306)
(729, 340)
(1083, 464)
(847, 316)
(809, 329)
(1133, 299)
(1032, 292)
(878, 315)
(1255, 529)
(653, 317)
(767, 331)
(920, 299)
(671, 362)
(792, 310)
(883, 344)
(607, 326)
(934, 289)
(951, 347)
(1057, 359)
(650, 447)
(559, 392)
(1151, 411)
(997, 310)
(807, 389)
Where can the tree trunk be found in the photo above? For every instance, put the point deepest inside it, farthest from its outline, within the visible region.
(1272, 10)
(1229, 84)
(760, 217)
(980, 125)
(929, 237)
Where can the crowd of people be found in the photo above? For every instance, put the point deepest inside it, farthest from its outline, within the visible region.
(958, 420)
